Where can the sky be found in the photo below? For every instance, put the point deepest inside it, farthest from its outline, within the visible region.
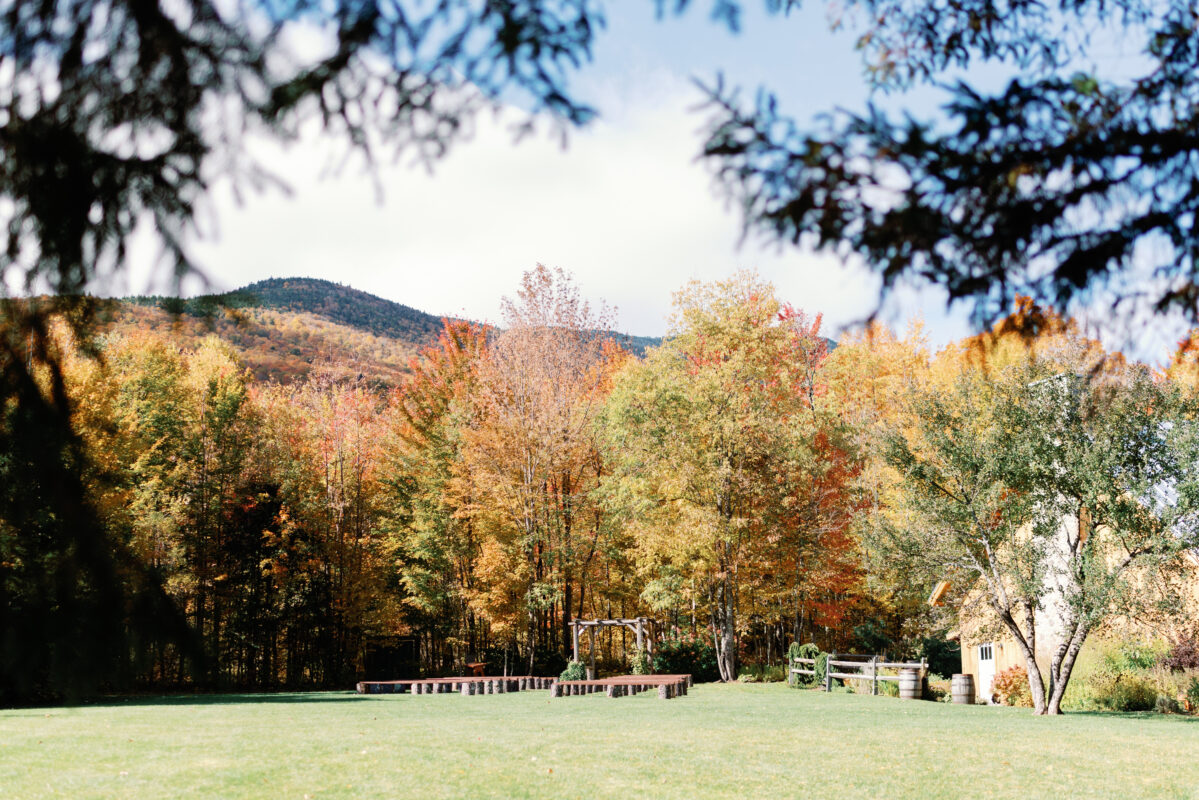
(624, 206)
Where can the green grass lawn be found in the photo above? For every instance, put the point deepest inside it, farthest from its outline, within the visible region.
(719, 741)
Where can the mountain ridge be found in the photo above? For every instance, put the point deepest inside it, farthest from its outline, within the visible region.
(283, 327)
(334, 301)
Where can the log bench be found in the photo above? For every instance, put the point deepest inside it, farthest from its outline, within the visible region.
(467, 685)
(668, 686)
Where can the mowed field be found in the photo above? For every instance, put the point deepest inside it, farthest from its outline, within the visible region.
(719, 741)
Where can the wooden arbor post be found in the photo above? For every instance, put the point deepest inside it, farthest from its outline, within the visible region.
(574, 630)
(591, 671)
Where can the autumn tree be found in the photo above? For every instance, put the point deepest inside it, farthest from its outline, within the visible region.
(531, 451)
(867, 376)
(713, 441)
(1183, 367)
(326, 459)
(434, 536)
(810, 576)
(253, 507)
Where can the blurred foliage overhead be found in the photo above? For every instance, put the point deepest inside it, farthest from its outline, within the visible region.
(1072, 183)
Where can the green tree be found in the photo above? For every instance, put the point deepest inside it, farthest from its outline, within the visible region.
(1048, 492)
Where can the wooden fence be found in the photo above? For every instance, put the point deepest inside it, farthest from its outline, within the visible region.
(868, 669)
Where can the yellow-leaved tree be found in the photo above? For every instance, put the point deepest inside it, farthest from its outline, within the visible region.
(707, 438)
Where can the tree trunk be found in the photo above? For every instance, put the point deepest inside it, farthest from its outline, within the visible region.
(532, 639)
(726, 631)
(1036, 683)
(567, 602)
(1063, 666)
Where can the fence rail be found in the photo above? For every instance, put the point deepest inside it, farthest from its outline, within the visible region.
(868, 666)
(798, 671)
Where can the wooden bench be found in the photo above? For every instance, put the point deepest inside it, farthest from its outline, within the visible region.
(668, 686)
(467, 685)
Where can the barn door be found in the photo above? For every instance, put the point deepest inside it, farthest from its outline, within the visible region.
(986, 670)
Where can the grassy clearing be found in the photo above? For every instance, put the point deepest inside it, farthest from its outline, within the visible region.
(734, 741)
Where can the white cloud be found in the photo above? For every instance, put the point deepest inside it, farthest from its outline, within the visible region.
(624, 206)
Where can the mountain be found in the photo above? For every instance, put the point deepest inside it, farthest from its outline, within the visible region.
(284, 327)
(340, 304)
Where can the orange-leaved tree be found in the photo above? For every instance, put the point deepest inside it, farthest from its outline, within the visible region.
(433, 536)
(531, 453)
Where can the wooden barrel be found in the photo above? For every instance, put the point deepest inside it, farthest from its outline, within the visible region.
(909, 684)
(963, 689)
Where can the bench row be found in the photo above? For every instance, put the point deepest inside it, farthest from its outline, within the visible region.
(668, 686)
(465, 685)
(647, 680)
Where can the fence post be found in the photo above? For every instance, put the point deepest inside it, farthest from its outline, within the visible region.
(828, 670)
(874, 675)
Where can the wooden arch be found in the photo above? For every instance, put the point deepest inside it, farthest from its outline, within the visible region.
(643, 627)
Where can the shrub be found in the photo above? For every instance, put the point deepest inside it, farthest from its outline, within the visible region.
(821, 668)
(944, 657)
(1010, 688)
(1192, 696)
(1183, 654)
(547, 661)
(639, 662)
(575, 671)
(793, 652)
(1134, 656)
(871, 637)
(1122, 691)
(866, 686)
(687, 655)
(937, 688)
(1167, 705)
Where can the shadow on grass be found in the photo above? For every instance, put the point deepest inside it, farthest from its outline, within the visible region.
(1137, 715)
(244, 698)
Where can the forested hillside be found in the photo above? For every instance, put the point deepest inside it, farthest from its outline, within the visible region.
(331, 301)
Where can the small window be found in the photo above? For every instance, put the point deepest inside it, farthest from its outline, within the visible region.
(984, 652)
